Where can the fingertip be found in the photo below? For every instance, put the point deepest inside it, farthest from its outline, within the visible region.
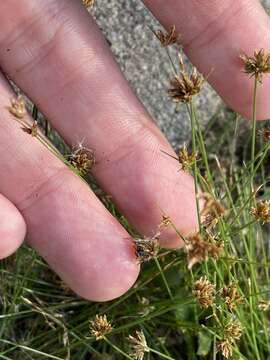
(101, 269)
(12, 228)
(115, 285)
(108, 279)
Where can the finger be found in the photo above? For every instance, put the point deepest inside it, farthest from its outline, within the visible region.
(214, 33)
(66, 223)
(67, 69)
(12, 228)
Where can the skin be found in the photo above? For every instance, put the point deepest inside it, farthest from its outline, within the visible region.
(54, 51)
(12, 228)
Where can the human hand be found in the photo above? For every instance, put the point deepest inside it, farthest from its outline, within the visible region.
(54, 51)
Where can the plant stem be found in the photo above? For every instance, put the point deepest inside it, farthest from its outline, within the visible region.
(160, 354)
(253, 140)
(116, 348)
(163, 277)
(194, 149)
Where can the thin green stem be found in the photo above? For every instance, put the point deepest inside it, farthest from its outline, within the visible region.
(253, 140)
(160, 354)
(116, 348)
(163, 278)
(251, 306)
(194, 149)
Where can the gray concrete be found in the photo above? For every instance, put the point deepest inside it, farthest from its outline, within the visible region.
(146, 66)
(266, 4)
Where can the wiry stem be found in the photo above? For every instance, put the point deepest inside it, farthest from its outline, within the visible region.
(253, 140)
(163, 278)
(194, 149)
(117, 349)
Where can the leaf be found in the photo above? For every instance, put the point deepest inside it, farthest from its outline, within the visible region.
(205, 342)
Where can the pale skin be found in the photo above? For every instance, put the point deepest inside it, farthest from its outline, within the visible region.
(55, 52)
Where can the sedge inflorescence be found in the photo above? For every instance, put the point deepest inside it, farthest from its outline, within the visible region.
(17, 107)
(100, 326)
(138, 345)
(261, 211)
(203, 290)
(167, 38)
(82, 159)
(147, 248)
(256, 65)
(186, 159)
(231, 333)
(88, 3)
(185, 86)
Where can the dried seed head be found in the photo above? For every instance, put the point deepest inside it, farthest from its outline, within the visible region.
(265, 132)
(167, 38)
(166, 221)
(146, 306)
(226, 348)
(147, 248)
(264, 305)
(88, 3)
(203, 290)
(100, 327)
(199, 249)
(262, 211)
(256, 65)
(232, 330)
(185, 159)
(82, 159)
(184, 86)
(33, 130)
(17, 107)
(138, 344)
(212, 211)
(231, 296)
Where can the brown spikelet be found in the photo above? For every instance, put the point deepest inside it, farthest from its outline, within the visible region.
(82, 159)
(165, 222)
(231, 333)
(17, 107)
(167, 38)
(264, 305)
(265, 132)
(138, 344)
(262, 211)
(257, 64)
(231, 296)
(225, 348)
(200, 248)
(88, 3)
(31, 130)
(232, 330)
(100, 326)
(203, 290)
(186, 159)
(147, 248)
(184, 86)
(212, 211)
